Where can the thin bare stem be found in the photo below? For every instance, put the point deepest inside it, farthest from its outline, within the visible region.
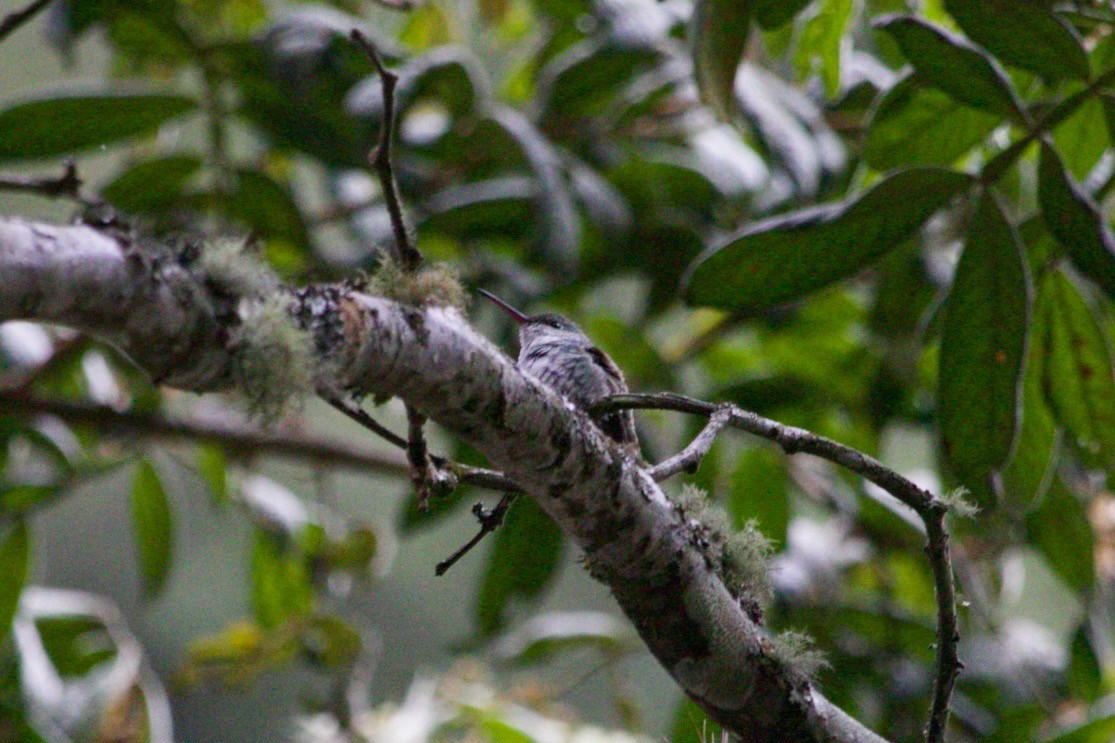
(13, 21)
(931, 509)
(691, 456)
(65, 186)
(419, 457)
(476, 476)
(236, 439)
(489, 522)
(405, 254)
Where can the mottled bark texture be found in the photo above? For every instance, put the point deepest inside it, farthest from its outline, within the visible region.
(658, 564)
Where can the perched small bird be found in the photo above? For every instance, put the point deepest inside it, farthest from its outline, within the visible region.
(556, 351)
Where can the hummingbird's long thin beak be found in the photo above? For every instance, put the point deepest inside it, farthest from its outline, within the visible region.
(517, 316)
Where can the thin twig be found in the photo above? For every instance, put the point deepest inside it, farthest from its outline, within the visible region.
(692, 455)
(402, 5)
(931, 509)
(65, 186)
(237, 439)
(489, 522)
(13, 21)
(475, 476)
(419, 457)
(405, 254)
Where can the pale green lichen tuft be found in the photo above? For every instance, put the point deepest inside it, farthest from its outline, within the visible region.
(958, 503)
(227, 263)
(794, 650)
(434, 285)
(740, 556)
(747, 553)
(275, 356)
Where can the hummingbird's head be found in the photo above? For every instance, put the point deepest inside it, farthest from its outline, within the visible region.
(533, 328)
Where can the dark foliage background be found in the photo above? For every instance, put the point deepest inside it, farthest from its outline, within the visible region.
(887, 222)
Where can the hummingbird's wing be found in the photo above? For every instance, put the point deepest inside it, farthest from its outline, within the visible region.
(619, 426)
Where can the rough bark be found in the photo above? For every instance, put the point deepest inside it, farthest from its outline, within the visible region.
(655, 561)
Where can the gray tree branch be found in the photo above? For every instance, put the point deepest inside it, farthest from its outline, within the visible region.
(635, 540)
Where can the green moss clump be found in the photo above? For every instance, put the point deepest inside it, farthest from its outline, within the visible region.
(435, 285)
(228, 265)
(275, 368)
(740, 557)
(793, 649)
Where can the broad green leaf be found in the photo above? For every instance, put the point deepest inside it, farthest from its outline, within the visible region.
(15, 560)
(281, 587)
(1085, 675)
(524, 559)
(24, 497)
(983, 348)
(1100, 730)
(774, 13)
(153, 527)
(1075, 221)
(789, 256)
(953, 64)
(1082, 138)
(541, 638)
(1030, 471)
(71, 124)
(1060, 530)
(152, 185)
(498, 731)
(760, 487)
(1078, 375)
(265, 205)
(1025, 34)
(560, 222)
(212, 465)
(719, 35)
(916, 125)
(824, 37)
(693, 725)
(585, 78)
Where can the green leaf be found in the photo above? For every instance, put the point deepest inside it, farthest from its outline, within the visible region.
(560, 222)
(1082, 138)
(823, 37)
(281, 587)
(152, 520)
(1025, 34)
(983, 349)
(585, 78)
(693, 725)
(15, 560)
(719, 35)
(1078, 376)
(66, 125)
(1060, 530)
(267, 206)
(915, 125)
(774, 13)
(1075, 221)
(212, 465)
(545, 636)
(1026, 479)
(524, 559)
(1100, 730)
(760, 487)
(787, 257)
(152, 185)
(954, 65)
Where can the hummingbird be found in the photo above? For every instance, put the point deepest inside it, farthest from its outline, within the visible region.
(555, 350)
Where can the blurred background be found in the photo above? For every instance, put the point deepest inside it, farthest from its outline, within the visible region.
(563, 155)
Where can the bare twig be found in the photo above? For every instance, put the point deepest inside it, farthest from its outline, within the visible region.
(692, 455)
(65, 186)
(931, 509)
(475, 476)
(403, 5)
(405, 254)
(489, 522)
(236, 439)
(13, 21)
(419, 457)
